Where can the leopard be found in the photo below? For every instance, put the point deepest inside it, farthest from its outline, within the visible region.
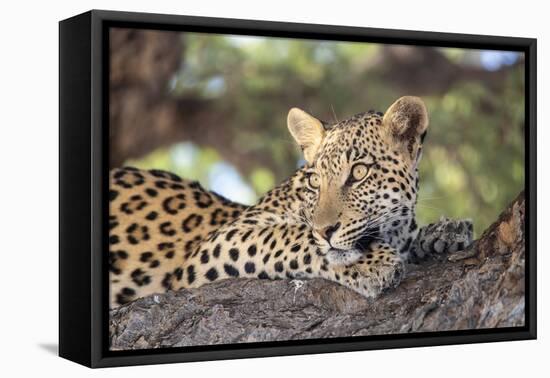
(348, 215)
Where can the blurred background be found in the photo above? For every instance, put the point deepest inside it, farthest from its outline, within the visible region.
(213, 108)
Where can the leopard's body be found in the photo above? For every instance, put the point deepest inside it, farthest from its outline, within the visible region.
(348, 215)
(155, 220)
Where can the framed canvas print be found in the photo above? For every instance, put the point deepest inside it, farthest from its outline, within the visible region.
(234, 188)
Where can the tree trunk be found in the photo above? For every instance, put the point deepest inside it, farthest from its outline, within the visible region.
(481, 287)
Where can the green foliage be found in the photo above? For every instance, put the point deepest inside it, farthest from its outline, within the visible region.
(473, 161)
(262, 180)
(474, 153)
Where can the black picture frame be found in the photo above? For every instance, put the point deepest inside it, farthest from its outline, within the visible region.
(83, 120)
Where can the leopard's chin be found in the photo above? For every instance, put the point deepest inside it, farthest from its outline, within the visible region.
(343, 256)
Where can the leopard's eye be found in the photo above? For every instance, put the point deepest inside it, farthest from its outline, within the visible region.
(314, 180)
(359, 172)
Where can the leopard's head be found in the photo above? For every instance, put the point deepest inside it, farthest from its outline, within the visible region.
(362, 177)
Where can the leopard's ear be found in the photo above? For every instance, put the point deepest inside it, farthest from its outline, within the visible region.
(407, 122)
(307, 130)
(407, 117)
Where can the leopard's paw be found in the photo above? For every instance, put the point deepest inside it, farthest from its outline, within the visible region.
(376, 272)
(446, 236)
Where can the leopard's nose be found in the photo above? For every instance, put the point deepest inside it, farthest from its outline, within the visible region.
(328, 231)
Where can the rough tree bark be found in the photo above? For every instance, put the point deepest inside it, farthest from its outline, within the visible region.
(481, 287)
